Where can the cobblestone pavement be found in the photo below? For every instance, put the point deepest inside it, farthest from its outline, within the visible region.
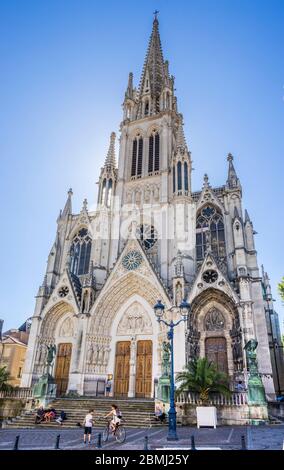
(226, 437)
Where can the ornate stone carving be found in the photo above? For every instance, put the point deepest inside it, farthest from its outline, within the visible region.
(179, 269)
(135, 321)
(214, 320)
(67, 328)
(192, 340)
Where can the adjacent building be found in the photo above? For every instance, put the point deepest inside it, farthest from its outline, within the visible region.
(13, 347)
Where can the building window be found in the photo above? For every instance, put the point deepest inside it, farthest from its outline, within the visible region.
(19, 373)
(148, 235)
(179, 176)
(210, 231)
(154, 153)
(185, 176)
(103, 195)
(146, 109)
(174, 179)
(109, 193)
(81, 252)
(137, 157)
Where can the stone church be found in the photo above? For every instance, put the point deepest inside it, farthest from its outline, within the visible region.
(150, 238)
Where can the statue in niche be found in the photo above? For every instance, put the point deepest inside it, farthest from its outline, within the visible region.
(90, 354)
(178, 293)
(156, 192)
(129, 197)
(147, 194)
(208, 241)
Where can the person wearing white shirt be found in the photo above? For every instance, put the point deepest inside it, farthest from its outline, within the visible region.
(88, 424)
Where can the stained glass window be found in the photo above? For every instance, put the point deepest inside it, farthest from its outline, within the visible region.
(81, 252)
(210, 229)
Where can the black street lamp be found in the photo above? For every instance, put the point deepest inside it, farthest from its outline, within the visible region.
(159, 309)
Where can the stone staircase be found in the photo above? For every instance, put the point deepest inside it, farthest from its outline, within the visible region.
(136, 413)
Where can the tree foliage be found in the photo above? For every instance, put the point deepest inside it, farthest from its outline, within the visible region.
(281, 288)
(203, 377)
(4, 380)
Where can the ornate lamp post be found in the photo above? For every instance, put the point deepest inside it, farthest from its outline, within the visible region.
(184, 309)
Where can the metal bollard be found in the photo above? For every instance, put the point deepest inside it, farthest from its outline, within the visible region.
(192, 443)
(243, 441)
(57, 442)
(99, 441)
(16, 445)
(146, 443)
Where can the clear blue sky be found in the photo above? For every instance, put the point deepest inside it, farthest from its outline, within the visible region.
(63, 72)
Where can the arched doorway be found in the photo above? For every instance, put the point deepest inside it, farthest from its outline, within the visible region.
(62, 367)
(214, 329)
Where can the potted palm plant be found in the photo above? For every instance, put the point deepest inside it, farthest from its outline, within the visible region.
(203, 377)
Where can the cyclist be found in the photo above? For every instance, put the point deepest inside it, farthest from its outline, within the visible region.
(116, 417)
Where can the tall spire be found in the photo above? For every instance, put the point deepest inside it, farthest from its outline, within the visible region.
(154, 67)
(68, 205)
(233, 180)
(110, 158)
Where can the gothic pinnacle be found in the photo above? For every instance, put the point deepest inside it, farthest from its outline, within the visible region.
(233, 180)
(68, 205)
(247, 217)
(110, 158)
(129, 91)
(85, 205)
(206, 181)
(180, 141)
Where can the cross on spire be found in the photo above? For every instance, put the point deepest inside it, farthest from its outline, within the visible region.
(156, 12)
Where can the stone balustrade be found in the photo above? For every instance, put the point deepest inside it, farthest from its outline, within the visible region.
(216, 399)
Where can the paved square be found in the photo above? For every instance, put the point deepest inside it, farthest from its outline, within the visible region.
(225, 437)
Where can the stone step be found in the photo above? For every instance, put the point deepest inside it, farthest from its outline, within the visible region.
(136, 413)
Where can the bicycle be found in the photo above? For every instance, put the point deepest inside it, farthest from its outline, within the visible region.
(119, 433)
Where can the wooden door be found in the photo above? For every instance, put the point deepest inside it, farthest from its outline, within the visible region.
(144, 369)
(121, 374)
(216, 351)
(63, 359)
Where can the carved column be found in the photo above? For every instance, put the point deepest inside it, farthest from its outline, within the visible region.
(132, 367)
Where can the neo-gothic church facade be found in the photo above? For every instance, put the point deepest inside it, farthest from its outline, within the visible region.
(151, 238)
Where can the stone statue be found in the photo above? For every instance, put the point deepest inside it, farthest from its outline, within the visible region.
(178, 294)
(45, 387)
(208, 241)
(250, 349)
(256, 392)
(166, 359)
(51, 351)
(164, 381)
